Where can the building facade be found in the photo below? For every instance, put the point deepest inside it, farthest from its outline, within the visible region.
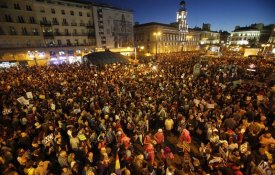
(114, 27)
(60, 29)
(167, 40)
(244, 36)
(19, 25)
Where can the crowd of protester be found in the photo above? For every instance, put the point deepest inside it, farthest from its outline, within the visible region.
(80, 119)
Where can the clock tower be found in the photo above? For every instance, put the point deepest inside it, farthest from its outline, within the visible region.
(182, 21)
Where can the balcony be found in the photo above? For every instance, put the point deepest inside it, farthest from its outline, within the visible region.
(91, 35)
(55, 23)
(65, 24)
(89, 25)
(73, 24)
(45, 23)
(80, 34)
(48, 34)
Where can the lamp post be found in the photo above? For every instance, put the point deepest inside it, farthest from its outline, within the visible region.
(156, 34)
(264, 46)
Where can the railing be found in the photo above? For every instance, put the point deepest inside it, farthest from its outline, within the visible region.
(48, 34)
(45, 23)
(65, 24)
(73, 24)
(89, 25)
(55, 23)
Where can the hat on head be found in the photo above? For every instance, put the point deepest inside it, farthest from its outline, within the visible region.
(160, 130)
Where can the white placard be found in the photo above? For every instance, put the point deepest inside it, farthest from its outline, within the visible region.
(21, 100)
(210, 106)
(47, 139)
(265, 168)
(29, 95)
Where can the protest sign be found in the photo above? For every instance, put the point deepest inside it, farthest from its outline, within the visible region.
(47, 139)
(265, 168)
(29, 95)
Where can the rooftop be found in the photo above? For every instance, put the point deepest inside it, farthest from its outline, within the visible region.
(246, 29)
(154, 23)
(94, 3)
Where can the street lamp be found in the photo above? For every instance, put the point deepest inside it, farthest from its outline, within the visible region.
(264, 46)
(156, 34)
(139, 47)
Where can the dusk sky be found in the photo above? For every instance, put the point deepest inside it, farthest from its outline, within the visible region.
(221, 14)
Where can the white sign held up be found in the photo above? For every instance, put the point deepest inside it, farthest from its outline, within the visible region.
(265, 168)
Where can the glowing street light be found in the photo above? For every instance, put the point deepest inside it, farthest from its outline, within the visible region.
(264, 46)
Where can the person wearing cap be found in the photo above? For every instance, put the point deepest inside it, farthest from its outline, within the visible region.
(159, 138)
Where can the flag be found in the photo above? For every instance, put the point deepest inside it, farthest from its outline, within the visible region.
(117, 165)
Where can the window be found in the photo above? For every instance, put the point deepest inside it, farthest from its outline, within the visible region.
(16, 6)
(84, 41)
(68, 42)
(28, 8)
(8, 18)
(3, 5)
(75, 32)
(12, 30)
(88, 15)
(80, 13)
(24, 31)
(44, 19)
(72, 13)
(35, 31)
(56, 31)
(55, 21)
(63, 12)
(67, 31)
(21, 19)
(64, 22)
(42, 10)
(59, 42)
(2, 31)
(32, 20)
(53, 11)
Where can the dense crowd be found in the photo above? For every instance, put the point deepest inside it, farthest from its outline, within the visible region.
(81, 119)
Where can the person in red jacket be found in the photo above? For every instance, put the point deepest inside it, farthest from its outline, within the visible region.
(159, 138)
